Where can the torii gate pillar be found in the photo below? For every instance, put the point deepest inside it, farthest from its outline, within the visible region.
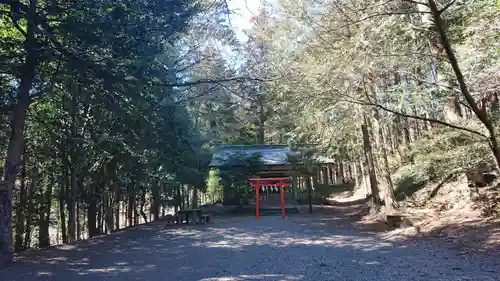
(256, 184)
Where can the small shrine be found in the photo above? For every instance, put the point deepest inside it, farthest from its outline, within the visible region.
(274, 187)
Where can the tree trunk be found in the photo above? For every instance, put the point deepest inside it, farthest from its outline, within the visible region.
(155, 208)
(451, 111)
(349, 171)
(294, 184)
(398, 126)
(335, 172)
(62, 215)
(495, 103)
(480, 113)
(341, 172)
(389, 198)
(261, 121)
(136, 213)
(72, 208)
(21, 210)
(359, 173)
(194, 199)
(44, 223)
(78, 220)
(326, 179)
(375, 198)
(356, 174)
(29, 215)
(309, 192)
(415, 128)
(330, 173)
(117, 209)
(177, 199)
(130, 209)
(72, 196)
(391, 143)
(142, 204)
(100, 217)
(64, 195)
(186, 196)
(71, 205)
(16, 142)
(92, 216)
(108, 212)
(406, 131)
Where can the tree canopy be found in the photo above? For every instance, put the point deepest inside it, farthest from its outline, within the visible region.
(110, 108)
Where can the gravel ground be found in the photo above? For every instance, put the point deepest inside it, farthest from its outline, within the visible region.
(243, 249)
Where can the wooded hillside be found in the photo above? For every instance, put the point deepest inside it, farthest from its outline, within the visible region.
(405, 92)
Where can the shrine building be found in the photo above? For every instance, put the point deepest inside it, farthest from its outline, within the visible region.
(275, 184)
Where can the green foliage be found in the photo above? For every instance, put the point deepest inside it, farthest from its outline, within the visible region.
(448, 150)
(303, 161)
(214, 186)
(409, 179)
(432, 159)
(333, 67)
(107, 121)
(239, 167)
(235, 173)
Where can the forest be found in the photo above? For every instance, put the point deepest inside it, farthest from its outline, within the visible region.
(110, 109)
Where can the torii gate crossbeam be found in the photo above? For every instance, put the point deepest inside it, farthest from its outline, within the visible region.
(257, 183)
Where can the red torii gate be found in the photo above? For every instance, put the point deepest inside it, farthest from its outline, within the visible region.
(256, 183)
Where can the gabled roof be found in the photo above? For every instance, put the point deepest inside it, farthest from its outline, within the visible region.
(276, 154)
(270, 154)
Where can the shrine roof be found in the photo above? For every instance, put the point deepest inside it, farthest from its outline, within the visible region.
(270, 154)
(276, 154)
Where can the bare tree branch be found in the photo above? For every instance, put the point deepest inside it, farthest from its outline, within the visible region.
(236, 93)
(202, 94)
(207, 81)
(431, 120)
(382, 15)
(442, 10)
(417, 2)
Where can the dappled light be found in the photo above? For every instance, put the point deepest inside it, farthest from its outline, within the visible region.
(242, 248)
(267, 277)
(249, 140)
(227, 239)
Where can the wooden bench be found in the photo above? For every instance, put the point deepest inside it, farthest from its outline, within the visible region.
(170, 218)
(188, 216)
(205, 218)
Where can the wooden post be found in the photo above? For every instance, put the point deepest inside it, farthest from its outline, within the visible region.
(267, 181)
(309, 192)
(282, 196)
(257, 189)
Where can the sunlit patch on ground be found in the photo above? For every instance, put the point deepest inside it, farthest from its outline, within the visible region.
(244, 249)
(277, 277)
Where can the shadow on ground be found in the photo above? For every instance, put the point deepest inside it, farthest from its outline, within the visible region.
(476, 235)
(241, 249)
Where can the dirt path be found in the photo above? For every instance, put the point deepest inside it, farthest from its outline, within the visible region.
(300, 248)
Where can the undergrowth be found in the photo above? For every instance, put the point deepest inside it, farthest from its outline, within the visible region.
(489, 203)
(435, 158)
